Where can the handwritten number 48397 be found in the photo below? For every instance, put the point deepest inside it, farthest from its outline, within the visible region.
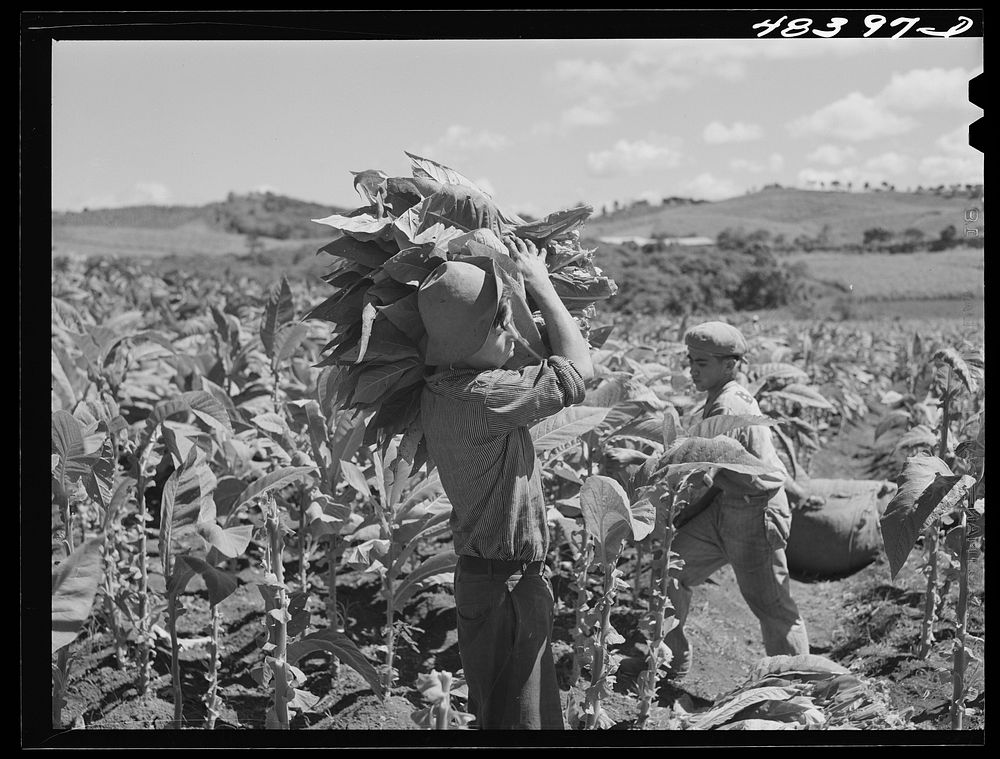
(799, 26)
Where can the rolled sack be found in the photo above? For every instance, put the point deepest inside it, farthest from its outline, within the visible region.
(842, 536)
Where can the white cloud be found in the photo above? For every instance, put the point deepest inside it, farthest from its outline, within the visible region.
(832, 155)
(589, 114)
(774, 163)
(718, 133)
(958, 162)
(634, 157)
(460, 137)
(708, 187)
(745, 164)
(956, 142)
(858, 117)
(486, 186)
(923, 89)
(648, 67)
(889, 163)
(952, 169)
(140, 194)
(855, 117)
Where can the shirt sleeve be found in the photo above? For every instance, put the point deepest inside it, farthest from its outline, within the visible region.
(520, 398)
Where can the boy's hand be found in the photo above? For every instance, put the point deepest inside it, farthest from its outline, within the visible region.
(529, 261)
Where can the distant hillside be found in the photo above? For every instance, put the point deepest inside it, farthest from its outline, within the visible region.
(265, 220)
(794, 213)
(261, 214)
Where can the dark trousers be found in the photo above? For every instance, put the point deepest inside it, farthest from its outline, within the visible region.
(505, 612)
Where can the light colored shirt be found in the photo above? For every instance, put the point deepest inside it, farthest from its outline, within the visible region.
(476, 424)
(734, 399)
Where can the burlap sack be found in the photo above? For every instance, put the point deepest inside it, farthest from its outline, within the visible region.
(842, 536)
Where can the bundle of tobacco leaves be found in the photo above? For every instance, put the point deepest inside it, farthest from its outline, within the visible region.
(385, 249)
(805, 692)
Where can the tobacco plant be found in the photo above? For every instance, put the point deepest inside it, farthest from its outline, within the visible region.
(438, 688)
(930, 490)
(609, 519)
(387, 546)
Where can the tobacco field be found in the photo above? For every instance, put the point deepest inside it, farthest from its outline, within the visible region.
(247, 532)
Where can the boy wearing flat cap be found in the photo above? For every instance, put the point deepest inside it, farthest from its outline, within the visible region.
(475, 415)
(747, 521)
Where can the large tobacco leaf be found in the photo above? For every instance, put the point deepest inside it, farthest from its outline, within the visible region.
(74, 586)
(927, 490)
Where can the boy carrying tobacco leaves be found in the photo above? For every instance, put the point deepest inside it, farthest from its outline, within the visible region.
(740, 520)
(475, 415)
(747, 519)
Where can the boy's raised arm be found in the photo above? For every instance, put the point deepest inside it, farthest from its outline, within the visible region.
(564, 334)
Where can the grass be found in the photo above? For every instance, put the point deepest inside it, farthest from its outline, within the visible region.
(798, 212)
(195, 239)
(951, 274)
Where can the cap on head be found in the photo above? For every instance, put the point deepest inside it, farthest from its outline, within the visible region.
(458, 304)
(716, 339)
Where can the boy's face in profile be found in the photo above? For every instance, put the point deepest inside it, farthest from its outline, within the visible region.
(495, 352)
(709, 372)
(499, 346)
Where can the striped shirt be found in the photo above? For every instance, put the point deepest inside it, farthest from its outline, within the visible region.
(734, 399)
(476, 424)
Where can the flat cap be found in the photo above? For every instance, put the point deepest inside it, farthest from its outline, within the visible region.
(716, 339)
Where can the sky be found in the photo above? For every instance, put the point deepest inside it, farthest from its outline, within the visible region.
(541, 125)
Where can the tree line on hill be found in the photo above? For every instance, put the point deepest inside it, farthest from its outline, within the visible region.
(873, 240)
(696, 280)
(740, 272)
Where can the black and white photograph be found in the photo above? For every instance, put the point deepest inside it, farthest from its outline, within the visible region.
(530, 375)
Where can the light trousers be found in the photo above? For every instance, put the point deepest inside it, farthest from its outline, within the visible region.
(752, 539)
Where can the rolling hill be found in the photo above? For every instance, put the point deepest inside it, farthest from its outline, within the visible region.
(792, 213)
(273, 222)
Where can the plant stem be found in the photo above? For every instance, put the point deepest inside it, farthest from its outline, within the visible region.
(582, 564)
(598, 675)
(648, 688)
(212, 701)
(145, 663)
(930, 594)
(444, 708)
(390, 613)
(637, 579)
(331, 580)
(60, 677)
(175, 661)
(303, 557)
(279, 664)
(962, 614)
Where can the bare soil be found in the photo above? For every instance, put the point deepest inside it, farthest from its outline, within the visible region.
(865, 621)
